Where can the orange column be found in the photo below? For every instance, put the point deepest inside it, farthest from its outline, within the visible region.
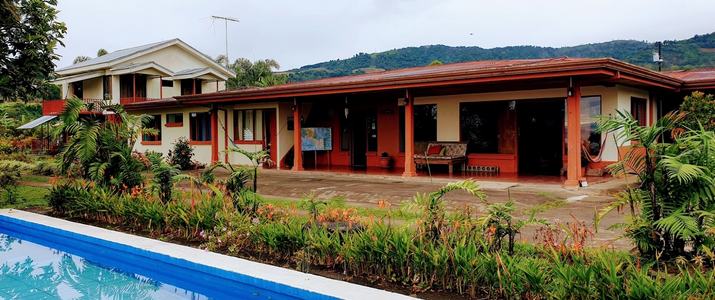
(410, 169)
(214, 135)
(573, 139)
(297, 147)
(225, 135)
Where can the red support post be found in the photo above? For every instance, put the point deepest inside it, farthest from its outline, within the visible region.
(134, 87)
(214, 135)
(225, 135)
(573, 138)
(410, 169)
(297, 147)
(193, 86)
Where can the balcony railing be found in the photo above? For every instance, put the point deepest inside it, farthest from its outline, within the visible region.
(130, 100)
(55, 107)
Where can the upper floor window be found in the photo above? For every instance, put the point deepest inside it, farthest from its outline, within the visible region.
(77, 89)
(155, 124)
(200, 126)
(190, 86)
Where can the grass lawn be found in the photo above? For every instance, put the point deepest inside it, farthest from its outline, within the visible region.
(30, 197)
(35, 178)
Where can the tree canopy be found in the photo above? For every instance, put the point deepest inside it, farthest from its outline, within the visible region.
(80, 59)
(29, 34)
(260, 73)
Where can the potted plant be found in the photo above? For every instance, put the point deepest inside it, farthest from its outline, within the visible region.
(385, 160)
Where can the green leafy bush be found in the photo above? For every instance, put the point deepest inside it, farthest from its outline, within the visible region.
(45, 168)
(181, 154)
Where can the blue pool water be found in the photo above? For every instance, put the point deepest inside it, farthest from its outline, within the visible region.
(39, 262)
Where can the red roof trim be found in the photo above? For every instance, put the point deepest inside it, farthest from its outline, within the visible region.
(443, 75)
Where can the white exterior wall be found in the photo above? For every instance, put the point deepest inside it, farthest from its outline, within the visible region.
(169, 135)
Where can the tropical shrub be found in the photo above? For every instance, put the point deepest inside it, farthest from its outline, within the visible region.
(672, 207)
(99, 149)
(163, 179)
(181, 154)
(459, 260)
(10, 172)
(45, 168)
(699, 110)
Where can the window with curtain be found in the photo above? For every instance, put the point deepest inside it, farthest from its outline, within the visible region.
(248, 125)
(200, 126)
(638, 110)
(154, 123)
(590, 111)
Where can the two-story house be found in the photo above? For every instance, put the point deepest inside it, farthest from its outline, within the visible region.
(149, 72)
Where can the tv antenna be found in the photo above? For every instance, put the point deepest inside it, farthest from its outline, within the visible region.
(226, 20)
(658, 55)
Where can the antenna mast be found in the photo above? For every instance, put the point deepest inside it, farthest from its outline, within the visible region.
(226, 20)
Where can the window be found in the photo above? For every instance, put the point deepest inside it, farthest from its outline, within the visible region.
(638, 110)
(425, 123)
(200, 126)
(77, 89)
(167, 83)
(479, 125)
(107, 87)
(174, 120)
(129, 84)
(371, 129)
(248, 125)
(154, 123)
(190, 86)
(590, 110)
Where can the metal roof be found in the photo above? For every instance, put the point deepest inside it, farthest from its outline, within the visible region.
(37, 122)
(112, 56)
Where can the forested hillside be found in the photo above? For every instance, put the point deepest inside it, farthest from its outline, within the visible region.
(698, 51)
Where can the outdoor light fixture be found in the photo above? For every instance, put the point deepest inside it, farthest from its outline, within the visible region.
(512, 104)
(295, 105)
(347, 111)
(569, 90)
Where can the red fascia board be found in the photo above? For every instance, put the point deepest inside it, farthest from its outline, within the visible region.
(380, 86)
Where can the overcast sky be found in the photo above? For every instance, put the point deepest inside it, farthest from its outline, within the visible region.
(300, 32)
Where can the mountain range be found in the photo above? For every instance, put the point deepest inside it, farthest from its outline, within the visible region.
(695, 52)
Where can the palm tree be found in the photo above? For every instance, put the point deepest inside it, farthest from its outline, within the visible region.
(100, 145)
(80, 59)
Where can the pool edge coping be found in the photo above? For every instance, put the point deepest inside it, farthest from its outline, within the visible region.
(274, 274)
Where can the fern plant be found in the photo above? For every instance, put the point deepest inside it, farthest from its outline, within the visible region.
(676, 191)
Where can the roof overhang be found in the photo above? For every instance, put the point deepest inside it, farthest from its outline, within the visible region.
(124, 59)
(150, 68)
(205, 73)
(76, 78)
(610, 70)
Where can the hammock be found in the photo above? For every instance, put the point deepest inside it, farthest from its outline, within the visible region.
(586, 153)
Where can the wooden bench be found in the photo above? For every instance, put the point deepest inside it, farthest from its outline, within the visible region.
(452, 153)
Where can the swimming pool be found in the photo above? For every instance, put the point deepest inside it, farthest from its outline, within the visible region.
(47, 258)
